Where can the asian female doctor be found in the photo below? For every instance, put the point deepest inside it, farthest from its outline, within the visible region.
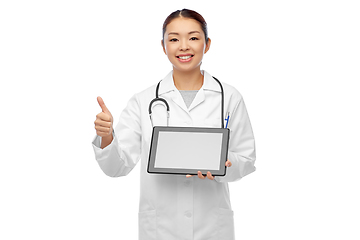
(174, 207)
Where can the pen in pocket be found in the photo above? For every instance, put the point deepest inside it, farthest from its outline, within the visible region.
(227, 119)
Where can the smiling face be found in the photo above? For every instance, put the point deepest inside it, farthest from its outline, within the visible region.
(185, 44)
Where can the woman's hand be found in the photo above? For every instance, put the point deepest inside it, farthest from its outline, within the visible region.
(209, 175)
(104, 124)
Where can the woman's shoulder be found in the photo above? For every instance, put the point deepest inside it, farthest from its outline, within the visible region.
(229, 89)
(231, 92)
(149, 91)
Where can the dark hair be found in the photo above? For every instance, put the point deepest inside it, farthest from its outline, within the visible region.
(186, 13)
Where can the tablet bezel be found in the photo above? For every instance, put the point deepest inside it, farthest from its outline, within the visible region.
(183, 171)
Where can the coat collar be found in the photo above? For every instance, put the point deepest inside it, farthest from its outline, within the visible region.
(167, 84)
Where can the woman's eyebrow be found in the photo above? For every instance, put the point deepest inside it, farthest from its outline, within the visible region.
(194, 32)
(175, 33)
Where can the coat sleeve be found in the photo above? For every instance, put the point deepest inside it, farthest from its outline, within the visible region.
(124, 152)
(241, 145)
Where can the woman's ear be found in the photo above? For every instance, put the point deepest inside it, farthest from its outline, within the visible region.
(207, 47)
(162, 44)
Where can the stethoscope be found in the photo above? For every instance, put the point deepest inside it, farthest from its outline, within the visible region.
(168, 108)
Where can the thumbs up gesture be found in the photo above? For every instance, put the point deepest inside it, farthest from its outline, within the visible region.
(104, 122)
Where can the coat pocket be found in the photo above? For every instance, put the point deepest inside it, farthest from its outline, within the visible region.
(226, 224)
(147, 225)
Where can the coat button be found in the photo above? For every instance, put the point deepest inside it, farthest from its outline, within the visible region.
(188, 214)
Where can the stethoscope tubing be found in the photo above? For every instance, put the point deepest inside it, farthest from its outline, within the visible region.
(168, 108)
(222, 102)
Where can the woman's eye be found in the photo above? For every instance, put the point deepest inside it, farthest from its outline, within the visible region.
(194, 38)
(173, 40)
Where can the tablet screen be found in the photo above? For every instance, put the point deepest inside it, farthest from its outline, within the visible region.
(186, 150)
(197, 150)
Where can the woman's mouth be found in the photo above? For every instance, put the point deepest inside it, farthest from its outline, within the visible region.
(185, 58)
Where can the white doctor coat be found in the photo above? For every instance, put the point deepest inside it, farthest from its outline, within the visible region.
(173, 207)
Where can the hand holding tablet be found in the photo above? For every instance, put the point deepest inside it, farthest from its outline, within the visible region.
(209, 175)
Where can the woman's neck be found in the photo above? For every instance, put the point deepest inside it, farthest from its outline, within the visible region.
(188, 80)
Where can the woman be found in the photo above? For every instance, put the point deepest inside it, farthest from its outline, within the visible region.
(175, 206)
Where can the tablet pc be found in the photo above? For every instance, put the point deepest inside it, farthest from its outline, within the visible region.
(187, 150)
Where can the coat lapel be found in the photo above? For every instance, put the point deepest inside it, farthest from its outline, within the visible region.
(167, 87)
(199, 98)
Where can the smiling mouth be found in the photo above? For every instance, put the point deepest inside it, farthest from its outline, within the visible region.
(185, 57)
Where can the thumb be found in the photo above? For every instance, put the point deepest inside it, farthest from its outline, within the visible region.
(102, 105)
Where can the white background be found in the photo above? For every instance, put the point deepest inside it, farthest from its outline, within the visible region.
(296, 64)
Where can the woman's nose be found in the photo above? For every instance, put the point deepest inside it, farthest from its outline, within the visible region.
(184, 46)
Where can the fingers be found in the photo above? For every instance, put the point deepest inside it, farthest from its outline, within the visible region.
(103, 131)
(228, 163)
(102, 105)
(201, 176)
(104, 117)
(210, 176)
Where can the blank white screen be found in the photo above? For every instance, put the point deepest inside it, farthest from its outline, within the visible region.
(188, 150)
